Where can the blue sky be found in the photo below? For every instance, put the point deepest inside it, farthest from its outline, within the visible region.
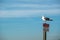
(28, 8)
(21, 19)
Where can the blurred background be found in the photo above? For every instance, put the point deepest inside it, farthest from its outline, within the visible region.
(21, 19)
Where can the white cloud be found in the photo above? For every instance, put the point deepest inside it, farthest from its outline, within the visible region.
(26, 13)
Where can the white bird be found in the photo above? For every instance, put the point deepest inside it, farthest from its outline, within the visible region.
(46, 18)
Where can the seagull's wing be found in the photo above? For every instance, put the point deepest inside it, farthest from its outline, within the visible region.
(46, 18)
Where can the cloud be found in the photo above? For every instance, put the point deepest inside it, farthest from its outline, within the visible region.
(26, 13)
(27, 10)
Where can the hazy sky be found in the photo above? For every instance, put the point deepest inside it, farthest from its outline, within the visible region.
(28, 8)
(21, 19)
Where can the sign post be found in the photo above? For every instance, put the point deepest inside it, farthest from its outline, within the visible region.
(45, 29)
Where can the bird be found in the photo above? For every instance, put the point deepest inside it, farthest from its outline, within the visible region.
(46, 18)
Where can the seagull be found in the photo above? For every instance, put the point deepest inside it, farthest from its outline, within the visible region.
(46, 18)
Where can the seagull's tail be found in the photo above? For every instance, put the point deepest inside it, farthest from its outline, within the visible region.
(50, 20)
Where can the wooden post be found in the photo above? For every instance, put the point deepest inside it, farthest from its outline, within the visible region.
(44, 35)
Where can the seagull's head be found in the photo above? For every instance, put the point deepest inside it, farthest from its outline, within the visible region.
(43, 16)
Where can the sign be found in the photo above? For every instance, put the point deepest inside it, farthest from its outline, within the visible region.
(45, 27)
